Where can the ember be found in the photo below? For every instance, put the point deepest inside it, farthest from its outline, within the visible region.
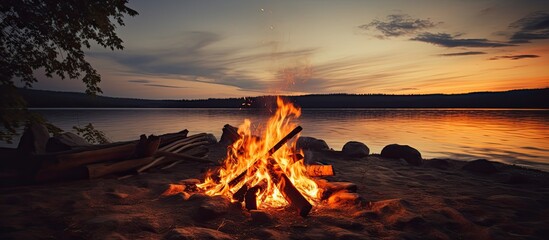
(266, 169)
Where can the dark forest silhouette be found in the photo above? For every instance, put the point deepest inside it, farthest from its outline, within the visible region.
(528, 98)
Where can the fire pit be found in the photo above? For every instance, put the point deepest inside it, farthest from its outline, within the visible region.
(267, 171)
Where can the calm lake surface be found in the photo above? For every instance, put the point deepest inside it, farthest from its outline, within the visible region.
(514, 136)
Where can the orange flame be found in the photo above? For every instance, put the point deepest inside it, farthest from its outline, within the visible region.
(250, 150)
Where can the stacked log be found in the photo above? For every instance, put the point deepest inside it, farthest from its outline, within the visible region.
(131, 157)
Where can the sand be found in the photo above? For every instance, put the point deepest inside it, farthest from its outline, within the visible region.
(438, 200)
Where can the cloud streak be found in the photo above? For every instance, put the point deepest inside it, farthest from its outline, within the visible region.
(461, 54)
(514, 57)
(396, 25)
(447, 40)
(534, 26)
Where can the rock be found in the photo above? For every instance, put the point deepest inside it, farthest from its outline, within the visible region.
(442, 164)
(311, 143)
(480, 166)
(410, 154)
(189, 181)
(355, 149)
(260, 217)
(173, 189)
(189, 233)
(190, 184)
(65, 141)
(229, 226)
(211, 208)
(176, 198)
(342, 198)
(332, 187)
(34, 139)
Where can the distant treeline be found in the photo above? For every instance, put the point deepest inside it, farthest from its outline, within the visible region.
(529, 98)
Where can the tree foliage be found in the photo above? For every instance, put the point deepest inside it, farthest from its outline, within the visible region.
(50, 35)
(91, 135)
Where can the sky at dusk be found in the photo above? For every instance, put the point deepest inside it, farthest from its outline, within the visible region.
(213, 49)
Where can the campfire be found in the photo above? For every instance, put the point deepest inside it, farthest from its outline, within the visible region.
(263, 169)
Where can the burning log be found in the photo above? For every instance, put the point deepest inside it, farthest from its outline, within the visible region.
(250, 200)
(240, 194)
(320, 170)
(277, 146)
(288, 190)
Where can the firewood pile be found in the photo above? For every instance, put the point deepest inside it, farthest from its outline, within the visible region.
(333, 192)
(122, 159)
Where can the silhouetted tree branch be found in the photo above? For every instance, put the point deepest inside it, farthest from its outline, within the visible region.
(50, 35)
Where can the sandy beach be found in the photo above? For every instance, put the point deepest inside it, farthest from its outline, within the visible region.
(438, 200)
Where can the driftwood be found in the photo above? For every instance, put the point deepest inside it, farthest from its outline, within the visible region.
(70, 160)
(175, 147)
(320, 170)
(230, 135)
(182, 156)
(102, 169)
(146, 147)
(199, 152)
(277, 146)
(62, 165)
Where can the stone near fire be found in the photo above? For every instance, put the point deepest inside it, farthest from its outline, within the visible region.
(212, 207)
(34, 139)
(189, 181)
(188, 233)
(480, 166)
(190, 184)
(330, 188)
(355, 149)
(260, 217)
(173, 189)
(343, 198)
(396, 151)
(311, 143)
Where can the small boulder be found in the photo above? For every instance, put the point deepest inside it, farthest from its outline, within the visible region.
(260, 217)
(187, 233)
(311, 143)
(343, 198)
(396, 151)
(480, 166)
(211, 208)
(34, 139)
(65, 141)
(355, 149)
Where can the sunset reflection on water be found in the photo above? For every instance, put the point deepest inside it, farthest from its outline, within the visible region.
(507, 135)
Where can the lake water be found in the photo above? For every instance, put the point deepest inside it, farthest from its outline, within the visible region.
(513, 136)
